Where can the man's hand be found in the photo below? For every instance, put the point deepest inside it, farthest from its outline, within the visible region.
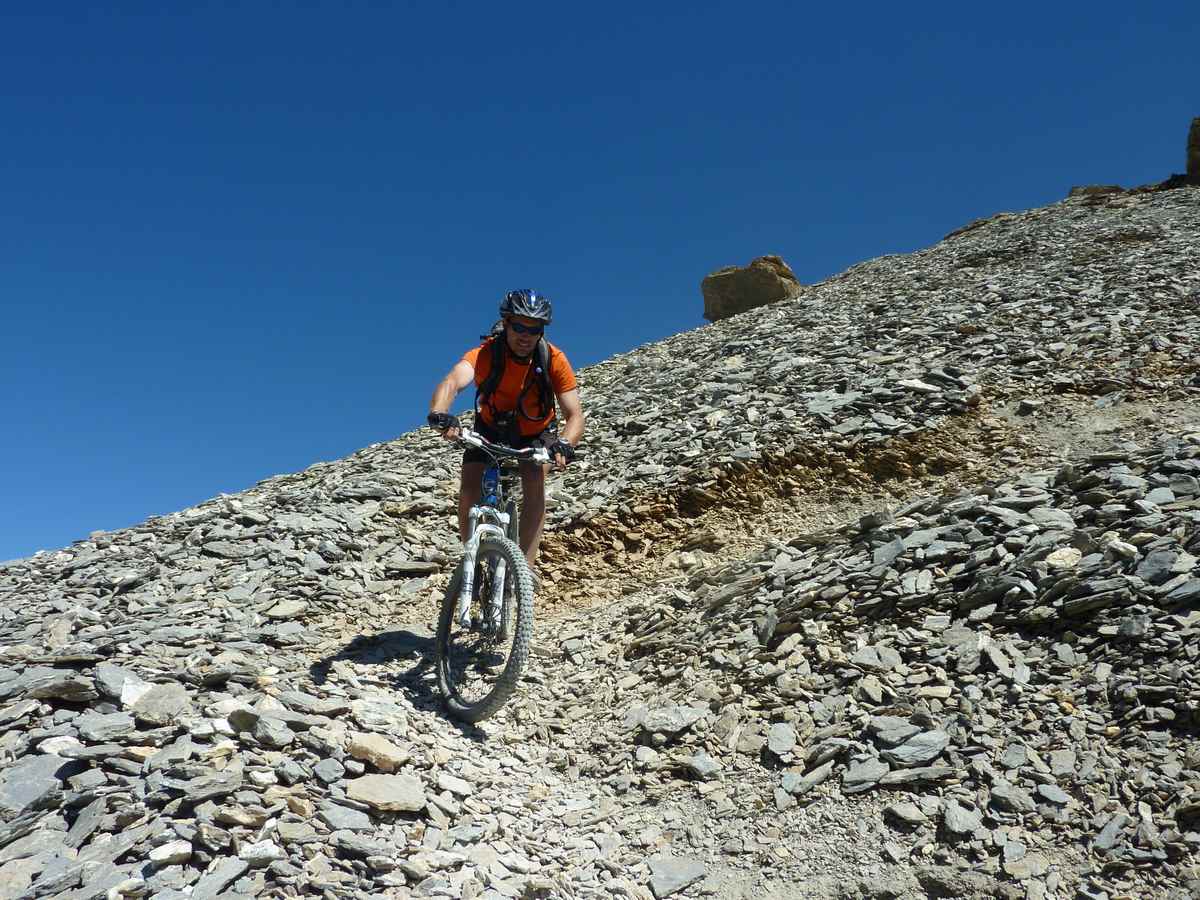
(447, 424)
(562, 453)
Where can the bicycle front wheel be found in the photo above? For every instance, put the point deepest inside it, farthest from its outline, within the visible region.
(479, 664)
(514, 521)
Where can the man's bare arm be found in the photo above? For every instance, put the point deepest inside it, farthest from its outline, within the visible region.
(572, 429)
(458, 378)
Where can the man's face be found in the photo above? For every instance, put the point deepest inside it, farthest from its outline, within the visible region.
(522, 343)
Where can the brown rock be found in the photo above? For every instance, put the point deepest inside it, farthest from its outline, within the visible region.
(378, 751)
(1094, 190)
(735, 289)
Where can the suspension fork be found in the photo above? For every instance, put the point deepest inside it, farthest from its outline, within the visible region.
(497, 526)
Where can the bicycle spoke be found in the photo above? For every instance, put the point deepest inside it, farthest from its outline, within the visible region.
(477, 657)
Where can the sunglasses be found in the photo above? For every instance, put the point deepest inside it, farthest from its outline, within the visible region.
(526, 329)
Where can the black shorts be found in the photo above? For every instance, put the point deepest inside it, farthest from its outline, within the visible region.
(476, 455)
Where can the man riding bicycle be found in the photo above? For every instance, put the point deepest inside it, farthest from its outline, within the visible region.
(518, 375)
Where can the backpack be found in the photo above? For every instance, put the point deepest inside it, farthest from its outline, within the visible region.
(541, 372)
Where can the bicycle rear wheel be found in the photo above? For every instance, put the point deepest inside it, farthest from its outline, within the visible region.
(479, 666)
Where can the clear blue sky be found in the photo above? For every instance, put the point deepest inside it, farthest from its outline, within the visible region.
(239, 239)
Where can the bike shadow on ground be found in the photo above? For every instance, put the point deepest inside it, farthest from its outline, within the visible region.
(379, 653)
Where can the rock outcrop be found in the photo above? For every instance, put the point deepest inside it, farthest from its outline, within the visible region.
(1190, 177)
(735, 289)
(1193, 151)
(1094, 190)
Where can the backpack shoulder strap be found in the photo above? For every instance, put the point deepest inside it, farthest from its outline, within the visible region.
(545, 387)
(488, 386)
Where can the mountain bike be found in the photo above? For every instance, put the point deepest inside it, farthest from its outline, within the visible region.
(486, 621)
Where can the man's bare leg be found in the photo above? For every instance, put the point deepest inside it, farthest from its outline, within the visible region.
(469, 489)
(533, 509)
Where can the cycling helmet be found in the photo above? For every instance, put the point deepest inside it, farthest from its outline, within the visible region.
(526, 303)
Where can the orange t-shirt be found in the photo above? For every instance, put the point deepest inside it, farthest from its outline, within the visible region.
(517, 377)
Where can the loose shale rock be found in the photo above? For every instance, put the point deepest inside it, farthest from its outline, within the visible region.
(891, 588)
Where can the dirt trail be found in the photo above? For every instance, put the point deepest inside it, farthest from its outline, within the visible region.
(813, 490)
(654, 539)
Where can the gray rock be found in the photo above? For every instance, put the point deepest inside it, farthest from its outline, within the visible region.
(32, 782)
(671, 718)
(329, 770)
(172, 853)
(781, 738)
(342, 818)
(1160, 565)
(288, 609)
(1054, 794)
(111, 678)
(381, 714)
(272, 732)
(798, 785)
(101, 728)
(390, 793)
(889, 552)
(917, 775)
(356, 845)
(947, 881)
(863, 774)
(891, 731)
(86, 823)
(1047, 517)
(45, 683)
(960, 820)
(905, 813)
(163, 704)
(1007, 796)
(1031, 865)
(669, 875)
(1108, 836)
(211, 787)
(314, 706)
(919, 750)
(261, 853)
(702, 765)
(220, 875)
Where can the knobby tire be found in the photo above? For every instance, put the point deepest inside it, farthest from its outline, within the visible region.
(519, 637)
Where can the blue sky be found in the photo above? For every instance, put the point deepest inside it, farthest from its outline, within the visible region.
(239, 239)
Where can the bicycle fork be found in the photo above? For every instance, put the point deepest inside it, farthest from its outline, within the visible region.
(471, 551)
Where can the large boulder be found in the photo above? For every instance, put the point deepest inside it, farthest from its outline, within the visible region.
(735, 289)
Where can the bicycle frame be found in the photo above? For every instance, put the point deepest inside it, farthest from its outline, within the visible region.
(486, 519)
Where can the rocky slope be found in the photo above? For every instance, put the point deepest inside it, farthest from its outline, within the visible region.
(886, 591)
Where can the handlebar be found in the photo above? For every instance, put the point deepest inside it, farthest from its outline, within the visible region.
(534, 454)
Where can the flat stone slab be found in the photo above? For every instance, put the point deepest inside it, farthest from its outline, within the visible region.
(378, 751)
(671, 719)
(163, 704)
(390, 793)
(669, 874)
(31, 782)
(98, 728)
